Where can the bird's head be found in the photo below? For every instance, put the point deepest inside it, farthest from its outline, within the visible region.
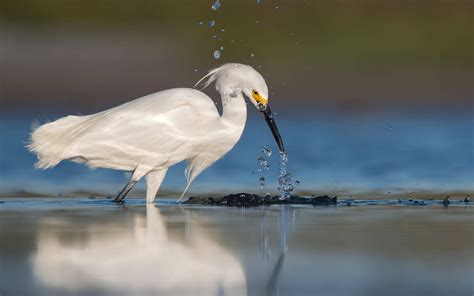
(238, 78)
(253, 86)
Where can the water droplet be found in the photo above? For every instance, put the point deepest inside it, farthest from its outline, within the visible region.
(216, 5)
(214, 36)
(257, 22)
(285, 180)
(263, 163)
(201, 22)
(267, 151)
(211, 23)
(222, 30)
(222, 48)
(195, 70)
(261, 182)
(252, 55)
(217, 54)
(276, 7)
(259, 1)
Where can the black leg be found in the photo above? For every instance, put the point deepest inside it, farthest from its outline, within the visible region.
(125, 190)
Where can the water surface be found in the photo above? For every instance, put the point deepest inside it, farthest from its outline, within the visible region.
(91, 247)
(364, 156)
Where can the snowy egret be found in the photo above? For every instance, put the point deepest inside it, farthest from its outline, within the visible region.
(148, 135)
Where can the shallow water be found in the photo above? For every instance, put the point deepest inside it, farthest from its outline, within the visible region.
(93, 247)
(337, 155)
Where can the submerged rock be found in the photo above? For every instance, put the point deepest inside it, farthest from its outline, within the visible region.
(253, 200)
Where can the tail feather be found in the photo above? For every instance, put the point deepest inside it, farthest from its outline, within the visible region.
(51, 142)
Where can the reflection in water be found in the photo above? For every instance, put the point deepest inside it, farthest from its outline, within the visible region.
(272, 287)
(140, 260)
(143, 259)
(82, 247)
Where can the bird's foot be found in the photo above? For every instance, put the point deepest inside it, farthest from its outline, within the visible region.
(119, 201)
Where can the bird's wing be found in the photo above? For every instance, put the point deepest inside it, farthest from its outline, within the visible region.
(161, 128)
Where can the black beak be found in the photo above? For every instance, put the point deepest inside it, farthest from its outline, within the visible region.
(267, 113)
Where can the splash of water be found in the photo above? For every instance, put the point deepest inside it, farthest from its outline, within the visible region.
(216, 5)
(267, 151)
(263, 164)
(286, 183)
(285, 180)
(261, 183)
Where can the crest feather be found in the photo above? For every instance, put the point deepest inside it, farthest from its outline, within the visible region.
(211, 76)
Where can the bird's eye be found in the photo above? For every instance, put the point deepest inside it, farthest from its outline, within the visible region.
(255, 92)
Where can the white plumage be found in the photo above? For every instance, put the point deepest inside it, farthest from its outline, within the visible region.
(150, 134)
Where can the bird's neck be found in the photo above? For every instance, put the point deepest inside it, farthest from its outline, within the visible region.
(234, 113)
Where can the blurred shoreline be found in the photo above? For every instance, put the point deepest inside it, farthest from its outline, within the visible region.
(379, 155)
(140, 194)
(353, 57)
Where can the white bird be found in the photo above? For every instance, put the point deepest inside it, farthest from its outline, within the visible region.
(148, 135)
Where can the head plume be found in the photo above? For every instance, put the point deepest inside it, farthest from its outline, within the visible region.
(208, 78)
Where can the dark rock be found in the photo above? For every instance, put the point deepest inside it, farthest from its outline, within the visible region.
(244, 200)
(198, 200)
(446, 201)
(323, 200)
(254, 200)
